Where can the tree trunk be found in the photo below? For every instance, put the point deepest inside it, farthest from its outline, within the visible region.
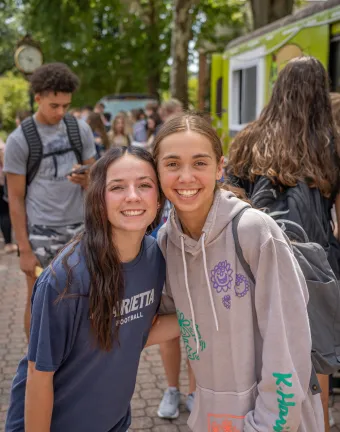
(268, 11)
(202, 81)
(154, 73)
(181, 36)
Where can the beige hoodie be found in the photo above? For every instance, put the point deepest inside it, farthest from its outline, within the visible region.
(249, 346)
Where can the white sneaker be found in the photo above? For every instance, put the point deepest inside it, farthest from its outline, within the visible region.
(190, 401)
(168, 408)
(331, 418)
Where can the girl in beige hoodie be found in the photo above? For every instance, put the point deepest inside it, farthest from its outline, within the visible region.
(249, 346)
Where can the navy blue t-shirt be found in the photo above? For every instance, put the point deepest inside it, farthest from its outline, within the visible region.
(92, 388)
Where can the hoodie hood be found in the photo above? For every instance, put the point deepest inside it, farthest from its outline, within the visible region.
(225, 203)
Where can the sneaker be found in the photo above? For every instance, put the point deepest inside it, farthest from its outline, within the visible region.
(331, 418)
(168, 408)
(190, 402)
(10, 248)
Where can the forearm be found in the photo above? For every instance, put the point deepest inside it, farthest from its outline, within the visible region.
(165, 328)
(38, 404)
(19, 222)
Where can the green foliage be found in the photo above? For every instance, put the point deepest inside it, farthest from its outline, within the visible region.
(218, 22)
(13, 97)
(10, 18)
(115, 45)
(110, 45)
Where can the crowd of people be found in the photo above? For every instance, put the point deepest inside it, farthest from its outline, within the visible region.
(136, 127)
(88, 200)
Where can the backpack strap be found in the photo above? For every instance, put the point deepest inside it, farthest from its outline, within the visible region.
(35, 148)
(73, 133)
(238, 248)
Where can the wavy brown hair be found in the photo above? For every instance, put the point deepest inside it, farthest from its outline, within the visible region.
(194, 122)
(101, 254)
(295, 138)
(96, 124)
(335, 99)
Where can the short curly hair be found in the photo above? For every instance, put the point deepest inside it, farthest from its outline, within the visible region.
(54, 77)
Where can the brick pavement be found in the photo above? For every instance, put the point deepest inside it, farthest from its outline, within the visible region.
(150, 381)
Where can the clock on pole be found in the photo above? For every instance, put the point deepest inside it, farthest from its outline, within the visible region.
(28, 57)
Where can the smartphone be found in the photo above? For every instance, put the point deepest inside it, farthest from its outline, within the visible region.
(81, 170)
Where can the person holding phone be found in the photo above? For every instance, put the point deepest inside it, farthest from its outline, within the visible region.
(46, 204)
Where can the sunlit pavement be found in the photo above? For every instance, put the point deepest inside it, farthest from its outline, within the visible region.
(150, 382)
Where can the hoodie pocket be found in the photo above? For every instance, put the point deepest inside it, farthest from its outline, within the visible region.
(221, 411)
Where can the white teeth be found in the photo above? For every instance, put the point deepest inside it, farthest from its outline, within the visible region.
(133, 212)
(187, 193)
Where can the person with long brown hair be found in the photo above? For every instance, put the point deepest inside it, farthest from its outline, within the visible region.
(93, 307)
(97, 126)
(295, 141)
(118, 135)
(295, 138)
(248, 342)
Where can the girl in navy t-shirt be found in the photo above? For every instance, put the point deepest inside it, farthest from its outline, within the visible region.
(93, 308)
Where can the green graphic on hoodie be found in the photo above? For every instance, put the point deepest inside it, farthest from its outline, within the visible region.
(189, 338)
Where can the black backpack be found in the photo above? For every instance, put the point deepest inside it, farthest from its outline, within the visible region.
(35, 146)
(303, 205)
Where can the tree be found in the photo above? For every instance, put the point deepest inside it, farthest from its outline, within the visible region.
(268, 11)
(10, 17)
(125, 45)
(113, 45)
(13, 97)
(210, 24)
(155, 16)
(183, 14)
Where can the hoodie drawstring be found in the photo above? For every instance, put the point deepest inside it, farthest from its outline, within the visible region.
(189, 296)
(188, 290)
(208, 282)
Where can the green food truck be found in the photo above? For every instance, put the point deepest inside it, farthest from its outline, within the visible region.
(242, 77)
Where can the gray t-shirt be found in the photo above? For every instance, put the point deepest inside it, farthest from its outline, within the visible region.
(51, 199)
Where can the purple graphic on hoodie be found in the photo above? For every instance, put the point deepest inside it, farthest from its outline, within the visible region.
(226, 301)
(221, 276)
(241, 286)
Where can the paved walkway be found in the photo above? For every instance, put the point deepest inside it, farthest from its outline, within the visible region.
(150, 382)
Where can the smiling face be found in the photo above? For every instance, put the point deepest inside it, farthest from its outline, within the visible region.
(131, 194)
(188, 171)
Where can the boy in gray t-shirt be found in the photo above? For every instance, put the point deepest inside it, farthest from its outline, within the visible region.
(48, 212)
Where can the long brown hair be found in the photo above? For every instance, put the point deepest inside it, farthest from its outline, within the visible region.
(196, 123)
(101, 254)
(295, 138)
(335, 99)
(96, 124)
